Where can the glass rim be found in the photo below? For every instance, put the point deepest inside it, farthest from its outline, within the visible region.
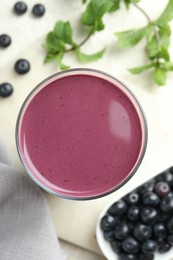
(131, 96)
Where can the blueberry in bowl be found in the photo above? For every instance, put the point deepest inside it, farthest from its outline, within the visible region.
(139, 225)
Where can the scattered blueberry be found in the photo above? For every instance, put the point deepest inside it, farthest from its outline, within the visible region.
(38, 10)
(22, 66)
(5, 40)
(20, 7)
(6, 89)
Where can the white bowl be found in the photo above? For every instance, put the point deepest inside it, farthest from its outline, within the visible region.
(105, 245)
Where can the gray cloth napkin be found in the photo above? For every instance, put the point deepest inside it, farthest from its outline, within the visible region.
(26, 229)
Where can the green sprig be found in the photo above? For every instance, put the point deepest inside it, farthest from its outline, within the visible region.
(156, 33)
(93, 15)
(60, 41)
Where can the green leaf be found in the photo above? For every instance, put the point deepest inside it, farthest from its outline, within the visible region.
(127, 3)
(167, 14)
(163, 53)
(140, 69)
(164, 34)
(53, 43)
(168, 66)
(152, 48)
(157, 45)
(56, 40)
(94, 13)
(49, 57)
(59, 61)
(159, 76)
(99, 25)
(132, 37)
(84, 1)
(115, 6)
(90, 57)
(63, 31)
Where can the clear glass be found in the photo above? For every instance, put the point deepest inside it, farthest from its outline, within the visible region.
(93, 182)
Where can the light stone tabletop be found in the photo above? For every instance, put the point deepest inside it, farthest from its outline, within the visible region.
(28, 35)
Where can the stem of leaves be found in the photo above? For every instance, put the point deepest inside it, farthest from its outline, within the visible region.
(155, 28)
(75, 47)
(142, 11)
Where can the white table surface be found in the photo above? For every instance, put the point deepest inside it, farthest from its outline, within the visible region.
(75, 221)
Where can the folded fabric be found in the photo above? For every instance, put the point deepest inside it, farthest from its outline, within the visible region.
(26, 228)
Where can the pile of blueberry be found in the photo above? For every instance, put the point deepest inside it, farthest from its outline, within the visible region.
(21, 66)
(141, 223)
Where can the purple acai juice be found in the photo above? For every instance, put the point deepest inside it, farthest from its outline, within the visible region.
(80, 136)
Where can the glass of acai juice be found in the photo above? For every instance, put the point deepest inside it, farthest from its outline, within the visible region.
(81, 134)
